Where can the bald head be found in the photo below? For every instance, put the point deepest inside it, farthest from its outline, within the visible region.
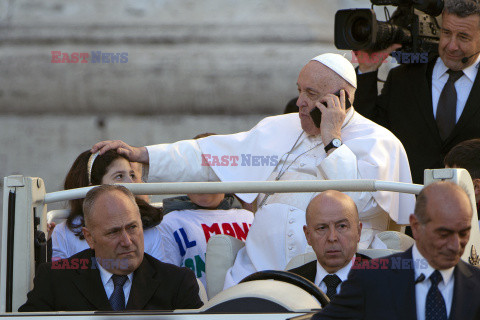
(440, 194)
(333, 229)
(332, 199)
(110, 192)
(441, 224)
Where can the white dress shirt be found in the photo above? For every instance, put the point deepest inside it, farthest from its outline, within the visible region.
(421, 289)
(463, 85)
(108, 283)
(342, 274)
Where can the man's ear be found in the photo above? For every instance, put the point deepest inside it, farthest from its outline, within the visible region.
(414, 224)
(476, 189)
(305, 230)
(88, 237)
(360, 226)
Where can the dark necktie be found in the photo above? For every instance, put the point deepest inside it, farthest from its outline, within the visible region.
(332, 281)
(435, 306)
(447, 105)
(117, 299)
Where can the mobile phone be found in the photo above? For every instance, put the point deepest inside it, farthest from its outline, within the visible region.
(316, 114)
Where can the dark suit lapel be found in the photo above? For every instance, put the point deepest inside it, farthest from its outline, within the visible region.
(311, 271)
(462, 307)
(90, 285)
(471, 107)
(420, 81)
(403, 287)
(143, 287)
(308, 271)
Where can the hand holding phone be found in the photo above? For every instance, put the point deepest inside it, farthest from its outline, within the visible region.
(316, 114)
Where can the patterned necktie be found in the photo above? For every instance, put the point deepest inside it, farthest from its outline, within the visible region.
(435, 306)
(332, 281)
(117, 299)
(447, 105)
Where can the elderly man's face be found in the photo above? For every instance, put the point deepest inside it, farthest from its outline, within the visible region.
(314, 82)
(460, 38)
(334, 232)
(115, 232)
(442, 240)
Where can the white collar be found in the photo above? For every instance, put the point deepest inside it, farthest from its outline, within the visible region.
(106, 275)
(470, 72)
(342, 273)
(421, 265)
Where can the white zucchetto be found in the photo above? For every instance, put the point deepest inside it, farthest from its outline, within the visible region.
(340, 65)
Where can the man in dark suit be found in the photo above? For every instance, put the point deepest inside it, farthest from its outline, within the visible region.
(115, 274)
(428, 281)
(333, 230)
(430, 107)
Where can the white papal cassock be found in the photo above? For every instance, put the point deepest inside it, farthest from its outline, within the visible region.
(278, 146)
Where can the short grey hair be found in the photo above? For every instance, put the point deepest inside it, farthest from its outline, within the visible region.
(421, 208)
(462, 8)
(422, 199)
(96, 192)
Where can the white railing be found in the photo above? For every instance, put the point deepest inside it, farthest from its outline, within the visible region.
(247, 187)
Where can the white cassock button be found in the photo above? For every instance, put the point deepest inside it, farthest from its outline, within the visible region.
(291, 221)
(302, 164)
(290, 248)
(290, 234)
(292, 209)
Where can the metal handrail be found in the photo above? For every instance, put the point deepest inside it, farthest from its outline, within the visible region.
(247, 187)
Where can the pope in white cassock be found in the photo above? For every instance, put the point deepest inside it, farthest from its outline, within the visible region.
(292, 147)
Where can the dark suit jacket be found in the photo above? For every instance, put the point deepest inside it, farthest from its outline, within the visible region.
(384, 289)
(309, 270)
(156, 286)
(405, 108)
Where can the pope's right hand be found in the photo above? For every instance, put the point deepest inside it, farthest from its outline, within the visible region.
(371, 61)
(135, 154)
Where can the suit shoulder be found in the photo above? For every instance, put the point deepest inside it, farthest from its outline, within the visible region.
(87, 253)
(474, 270)
(405, 71)
(408, 67)
(365, 264)
(305, 267)
(362, 256)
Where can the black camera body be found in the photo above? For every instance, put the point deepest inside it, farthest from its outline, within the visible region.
(413, 24)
